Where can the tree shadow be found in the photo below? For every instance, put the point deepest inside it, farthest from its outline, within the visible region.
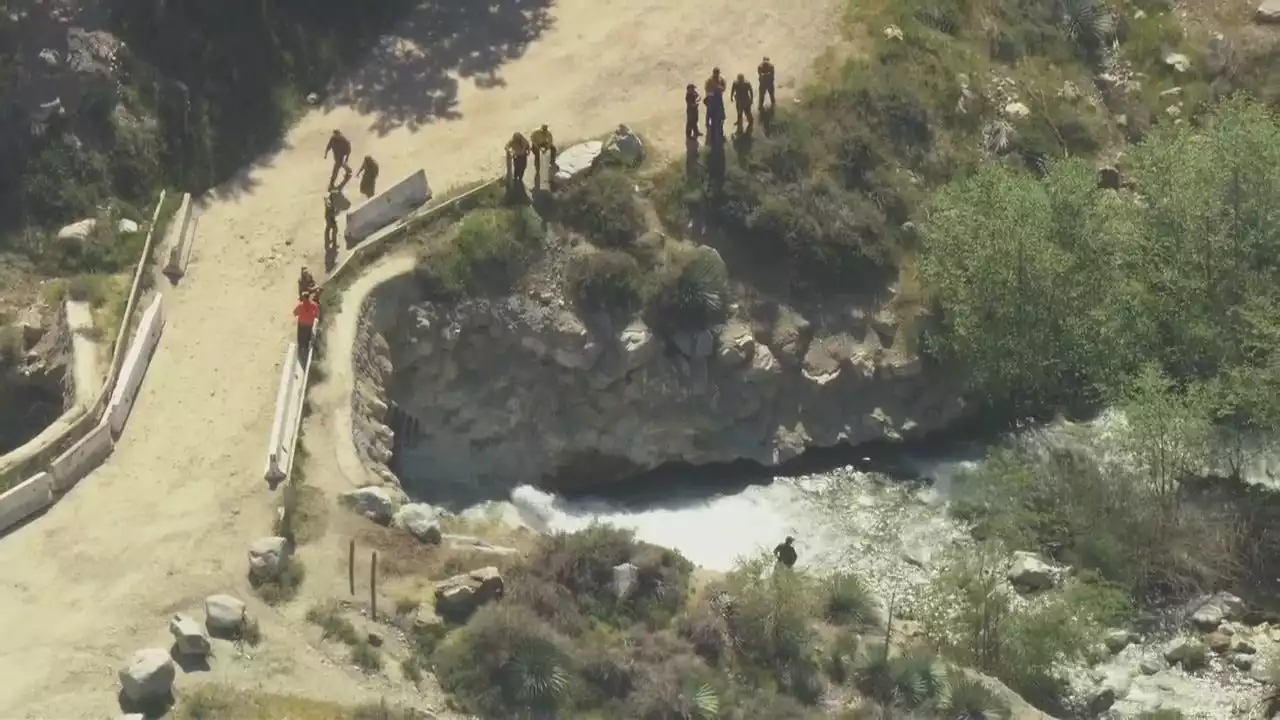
(411, 77)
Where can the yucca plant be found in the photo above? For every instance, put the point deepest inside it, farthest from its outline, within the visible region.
(905, 681)
(849, 601)
(970, 699)
(693, 295)
(706, 703)
(1087, 24)
(535, 673)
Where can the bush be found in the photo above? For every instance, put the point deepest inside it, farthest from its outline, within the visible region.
(848, 601)
(608, 281)
(333, 623)
(505, 659)
(488, 254)
(366, 657)
(284, 587)
(603, 206)
(692, 291)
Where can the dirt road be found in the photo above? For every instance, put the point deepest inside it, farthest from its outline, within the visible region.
(167, 519)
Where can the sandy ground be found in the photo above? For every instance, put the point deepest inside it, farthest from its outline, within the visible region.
(167, 518)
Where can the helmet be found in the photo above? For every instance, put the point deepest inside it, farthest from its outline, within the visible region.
(790, 539)
(766, 58)
(715, 71)
(544, 126)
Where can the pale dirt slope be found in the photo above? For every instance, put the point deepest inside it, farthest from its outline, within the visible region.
(167, 519)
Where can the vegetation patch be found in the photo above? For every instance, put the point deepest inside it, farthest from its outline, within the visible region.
(487, 254)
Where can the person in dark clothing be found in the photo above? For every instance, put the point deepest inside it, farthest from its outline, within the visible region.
(742, 94)
(340, 146)
(765, 73)
(306, 283)
(330, 222)
(786, 552)
(368, 174)
(691, 100)
(715, 116)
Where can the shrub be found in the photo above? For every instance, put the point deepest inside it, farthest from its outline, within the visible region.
(488, 254)
(411, 668)
(366, 657)
(505, 659)
(608, 280)
(333, 624)
(284, 587)
(679, 688)
(906, 681)
(691, 291)
(848, 601)
(603, 206)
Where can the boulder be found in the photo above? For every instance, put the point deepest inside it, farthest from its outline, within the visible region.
(1109, 177)
(189, 636)
(79, 230)
(1029, 573)
(373, 502)
(421, 520)
(764, 366)
(1177, 61)
(577, 159)
(267, 558)
(1016, 111)
(1242, 646)
(1219, 642)
(1268, 12)
(735, 344)
(1150, 666)
(1242, 661)
(637, 344)
(1186, 651)
(625, 577)
(625, 146)
(1118, 640)
(1219, 607)
(459, 596)
(224, 614)
(148, 677)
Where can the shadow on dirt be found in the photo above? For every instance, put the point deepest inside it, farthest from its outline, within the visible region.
(412, 75)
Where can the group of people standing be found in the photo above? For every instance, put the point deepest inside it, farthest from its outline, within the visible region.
(340, 147)
(740, 92)
(519, 148)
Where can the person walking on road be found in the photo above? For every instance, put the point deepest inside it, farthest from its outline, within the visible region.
(368, 174)
(307, 312)
(765, 73)
(715, 116)
(340, 146)
(518, 150)
(741, 94)
(542, 141)
(330, 222)
(691, 100)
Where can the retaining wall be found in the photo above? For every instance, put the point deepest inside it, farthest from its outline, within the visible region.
(179, 238)
(135, 365)
(391, 205)
(287, 420)
(87, 440)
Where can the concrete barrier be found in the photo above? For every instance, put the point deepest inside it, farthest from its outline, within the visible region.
(180, 238)
(135, 365)
(396, 202)
(82, 458)
(277, 460)
(25, 500)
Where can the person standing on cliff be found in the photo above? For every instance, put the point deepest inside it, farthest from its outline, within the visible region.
(340, 146)
(786, 552)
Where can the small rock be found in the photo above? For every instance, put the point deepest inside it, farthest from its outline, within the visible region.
(764, 366)
(375, 639)
(1029, 573)
(79, 230)
(892, 32)
(637, 344)
(1171, 92)
(1150, 666)
(625, 146)
(1109, 177)
(1219, 607)
(1118, 640)
(148, 677)
(1218, 642)
(1186, 651)
(313, 99)
(624, 579)
(459, 596)
(735, 344)
(1243, 646)
(421, 520)
(189, 636)
(1179, 62)
(1242, 661)
(1101, 699)
(224, 614)
(1016, 111)
(267, 558)
(125, 226)
(373, 502)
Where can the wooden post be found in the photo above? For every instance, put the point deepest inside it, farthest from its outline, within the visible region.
(351, 567)
(373, 587)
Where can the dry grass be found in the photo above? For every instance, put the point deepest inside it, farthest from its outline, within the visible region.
(219, 702)
(400, 555)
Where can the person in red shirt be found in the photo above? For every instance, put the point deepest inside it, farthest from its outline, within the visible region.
(307, 313)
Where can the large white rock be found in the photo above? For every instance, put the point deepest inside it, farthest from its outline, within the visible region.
(1029, 572)
(148, 677)
(421, 520)
(82, 229)
(224, 614)
(577, 159)
(267, 557)
(1222, 606)
(373, 502)
(625, 577)
(1268, 12)
(637, 343)
(189, 636)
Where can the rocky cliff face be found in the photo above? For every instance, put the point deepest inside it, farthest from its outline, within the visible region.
(35, 386)
(475, 398)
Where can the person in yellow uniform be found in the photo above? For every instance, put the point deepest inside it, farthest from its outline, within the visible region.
(518, 152)
(543, 142)
(741, 95)
(716, 82)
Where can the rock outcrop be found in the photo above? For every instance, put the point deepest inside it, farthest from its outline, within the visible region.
(189, 636)
(267, 558)
(490, 394)
(1268, 12)
(224, 615)
(459, 596)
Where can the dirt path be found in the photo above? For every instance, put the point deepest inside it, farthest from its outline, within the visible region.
(167, 519)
